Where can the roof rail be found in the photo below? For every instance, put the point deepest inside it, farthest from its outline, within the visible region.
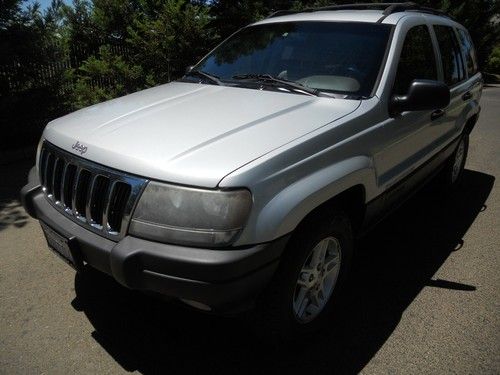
(387, 8)
(411, 6)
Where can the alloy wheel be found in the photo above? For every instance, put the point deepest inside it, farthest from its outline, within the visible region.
(317, 280)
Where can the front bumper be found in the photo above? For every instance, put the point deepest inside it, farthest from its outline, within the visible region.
(224, 280)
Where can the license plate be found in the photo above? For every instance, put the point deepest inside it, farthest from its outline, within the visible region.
(59, 244)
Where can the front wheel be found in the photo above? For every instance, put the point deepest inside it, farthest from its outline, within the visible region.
(317, 279)
(306, 287)
(450, 176)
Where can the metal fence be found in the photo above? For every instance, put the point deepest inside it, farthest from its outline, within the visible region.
(13, 76)
(33, 94)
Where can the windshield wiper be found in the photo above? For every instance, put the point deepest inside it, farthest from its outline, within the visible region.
(208, 76)
(267, 78)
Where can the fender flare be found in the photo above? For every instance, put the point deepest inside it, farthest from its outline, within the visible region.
(286, 210)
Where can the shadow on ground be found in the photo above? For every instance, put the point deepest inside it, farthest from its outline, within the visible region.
(12, 178)
(395, 262)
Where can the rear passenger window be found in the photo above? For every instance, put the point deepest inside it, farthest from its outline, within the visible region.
(417, 59)
(468, 51)
(450, 55)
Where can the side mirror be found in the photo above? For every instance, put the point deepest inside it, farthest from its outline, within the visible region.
(422, 95)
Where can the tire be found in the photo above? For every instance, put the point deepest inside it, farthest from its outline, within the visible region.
(279, 312)
(449, 178)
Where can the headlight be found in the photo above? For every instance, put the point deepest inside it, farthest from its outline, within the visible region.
(190, 216)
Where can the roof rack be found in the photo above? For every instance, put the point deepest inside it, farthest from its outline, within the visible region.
(387, 9)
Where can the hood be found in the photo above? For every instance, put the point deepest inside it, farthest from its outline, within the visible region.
(191, 134)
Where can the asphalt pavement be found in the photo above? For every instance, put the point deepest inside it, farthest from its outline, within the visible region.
(424, 297)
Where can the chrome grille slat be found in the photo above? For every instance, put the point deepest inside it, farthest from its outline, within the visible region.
(88, 201)
(56, 179)
(118, 204)
(74, 189)
(63, 181)
(46, 167)
(98, 200)
(105, 211)
(96, 197)
(49, 169)
(43, 166)
(53, 175)
(82, 194)
(69, 181)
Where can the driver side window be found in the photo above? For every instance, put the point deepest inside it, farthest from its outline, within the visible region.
(417, 59)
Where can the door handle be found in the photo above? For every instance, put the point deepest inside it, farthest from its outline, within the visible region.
(466, 96)
(437, 114)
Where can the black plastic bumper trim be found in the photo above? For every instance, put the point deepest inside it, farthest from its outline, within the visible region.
(220, 279)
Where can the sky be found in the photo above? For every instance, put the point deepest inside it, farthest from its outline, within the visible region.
(45, 3)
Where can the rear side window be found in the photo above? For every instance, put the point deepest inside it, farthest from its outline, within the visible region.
(468, 51)
(450, 55)
(417, 59)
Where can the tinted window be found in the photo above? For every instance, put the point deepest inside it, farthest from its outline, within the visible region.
(330, 56)
(450, 55)
(468, 51)
(417, 59)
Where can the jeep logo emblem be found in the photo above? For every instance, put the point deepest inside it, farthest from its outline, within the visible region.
(78, 147)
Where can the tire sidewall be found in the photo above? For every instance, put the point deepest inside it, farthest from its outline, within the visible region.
(465, 140)
(444, 181)
(299, 249)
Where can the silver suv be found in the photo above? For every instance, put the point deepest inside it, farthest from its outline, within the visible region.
(246, 182)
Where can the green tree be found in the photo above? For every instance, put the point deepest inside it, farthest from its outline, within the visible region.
(103, 77)
(29, 41)
(81, 33)
(177, 35)
(120, 46)
(493, 64)
(229, 15)
(142, 43)
(480, 17)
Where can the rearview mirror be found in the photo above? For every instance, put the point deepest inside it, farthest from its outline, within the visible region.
(422, 95)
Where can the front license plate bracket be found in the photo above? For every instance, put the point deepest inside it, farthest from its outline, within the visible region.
(67, 249)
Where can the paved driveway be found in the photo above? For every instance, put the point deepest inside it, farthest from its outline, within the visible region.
(424, 297)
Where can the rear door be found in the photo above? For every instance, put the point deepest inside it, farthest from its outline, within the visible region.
(455, 76)
(474, 82)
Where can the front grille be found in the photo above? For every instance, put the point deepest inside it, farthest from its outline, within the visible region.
(96, 197)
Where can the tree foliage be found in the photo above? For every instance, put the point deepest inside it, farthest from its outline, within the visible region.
(156, 39)
(480, 17)
(29, 39)
(493, 64)
(94, 50)
(162, 37)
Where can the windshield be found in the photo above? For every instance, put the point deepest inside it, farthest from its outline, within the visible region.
(337, 57)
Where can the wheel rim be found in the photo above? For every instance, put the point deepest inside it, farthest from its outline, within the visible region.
(459, 158)
(317, 280)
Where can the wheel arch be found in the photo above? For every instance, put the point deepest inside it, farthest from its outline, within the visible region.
(471, 123)
(351, 201)
(346, 185)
